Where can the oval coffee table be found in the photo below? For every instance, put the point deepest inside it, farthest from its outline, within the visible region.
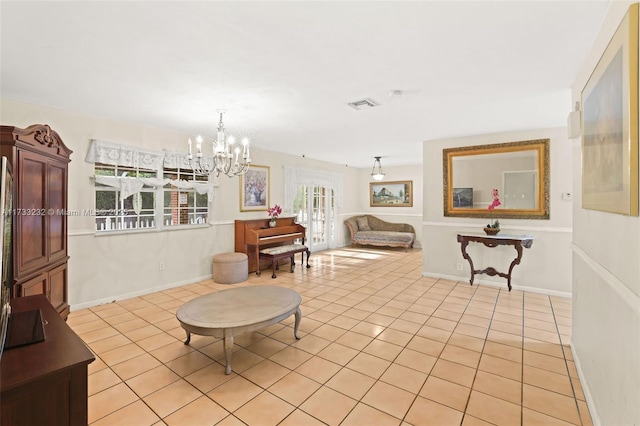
(229, 313)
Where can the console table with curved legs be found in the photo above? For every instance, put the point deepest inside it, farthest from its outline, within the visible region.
(517, 241)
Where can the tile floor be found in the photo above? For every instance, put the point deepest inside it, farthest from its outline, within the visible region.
(381, 345)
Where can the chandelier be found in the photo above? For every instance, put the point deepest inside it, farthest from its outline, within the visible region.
(228, 157)
(376, 171)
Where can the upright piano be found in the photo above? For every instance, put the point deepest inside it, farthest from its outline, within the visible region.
(254, 235)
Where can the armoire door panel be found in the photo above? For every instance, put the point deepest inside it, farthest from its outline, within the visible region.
(57, 282)
(56, 209)
(30, 212)
(34, 286)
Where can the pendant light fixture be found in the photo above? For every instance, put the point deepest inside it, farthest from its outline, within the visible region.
(376, 171)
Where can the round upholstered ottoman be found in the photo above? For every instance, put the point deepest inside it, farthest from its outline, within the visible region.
(230, 268)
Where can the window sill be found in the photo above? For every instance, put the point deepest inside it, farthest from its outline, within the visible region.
(151, 230)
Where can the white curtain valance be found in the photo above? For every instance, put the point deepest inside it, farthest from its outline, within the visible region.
(123, 155)
(174, 160)
(130, 156)
(294, 177)
(132, 185)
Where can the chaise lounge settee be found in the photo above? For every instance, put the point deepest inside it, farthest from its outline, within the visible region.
(369, 230)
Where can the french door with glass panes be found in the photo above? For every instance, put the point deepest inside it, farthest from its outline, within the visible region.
(314, 208)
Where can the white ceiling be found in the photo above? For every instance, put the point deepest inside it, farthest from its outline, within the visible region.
(285, 71)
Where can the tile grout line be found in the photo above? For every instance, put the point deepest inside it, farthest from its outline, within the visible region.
(464, 414)
(522, 364)
(564, 357)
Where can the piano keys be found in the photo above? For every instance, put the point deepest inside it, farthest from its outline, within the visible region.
(251, 236)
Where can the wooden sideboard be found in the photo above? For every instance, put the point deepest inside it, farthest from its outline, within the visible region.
(45, 383)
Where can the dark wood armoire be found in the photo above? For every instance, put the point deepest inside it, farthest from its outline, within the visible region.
(39, 161)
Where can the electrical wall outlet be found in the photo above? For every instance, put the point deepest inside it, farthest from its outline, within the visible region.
(567, 196)
(162, 266)
(459, 266)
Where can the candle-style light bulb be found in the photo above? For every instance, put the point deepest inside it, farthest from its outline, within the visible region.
(230, 142)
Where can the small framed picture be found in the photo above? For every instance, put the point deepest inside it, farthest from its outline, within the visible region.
(254, 189)
(391, 194)
(462, 198)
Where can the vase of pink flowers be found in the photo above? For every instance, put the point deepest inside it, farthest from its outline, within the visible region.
(274, 212)
(493, 228)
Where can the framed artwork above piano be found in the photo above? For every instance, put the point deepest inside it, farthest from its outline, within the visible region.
(254, 189)
(251, 236)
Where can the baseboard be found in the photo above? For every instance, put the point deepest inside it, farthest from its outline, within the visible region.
(103, 301)
(595, 419)
(500, 285)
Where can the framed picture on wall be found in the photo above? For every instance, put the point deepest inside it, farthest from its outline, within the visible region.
(463, 198)
(610, 125)
(254, 189)
(391, 194)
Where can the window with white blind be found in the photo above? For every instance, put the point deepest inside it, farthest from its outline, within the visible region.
(144, 190)
(183, 206)
(117, 212)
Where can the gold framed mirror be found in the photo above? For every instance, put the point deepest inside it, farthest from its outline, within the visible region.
(519, 170)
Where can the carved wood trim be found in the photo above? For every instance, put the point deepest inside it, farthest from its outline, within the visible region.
(43, 135)
(46, 136)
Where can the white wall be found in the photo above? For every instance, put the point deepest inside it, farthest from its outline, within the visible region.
(606, 285)
(112, 267)
(546, 266)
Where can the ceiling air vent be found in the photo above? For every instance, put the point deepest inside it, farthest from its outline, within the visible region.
(363, 103)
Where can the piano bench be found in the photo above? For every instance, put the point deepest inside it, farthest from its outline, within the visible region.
(230, 268)
(284, 252)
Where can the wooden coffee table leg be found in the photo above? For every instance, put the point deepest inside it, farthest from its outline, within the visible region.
(188, 338)
(298, 315)
(228, 349)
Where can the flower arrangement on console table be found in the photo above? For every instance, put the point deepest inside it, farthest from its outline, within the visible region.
(274, 212)
(493, 228)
